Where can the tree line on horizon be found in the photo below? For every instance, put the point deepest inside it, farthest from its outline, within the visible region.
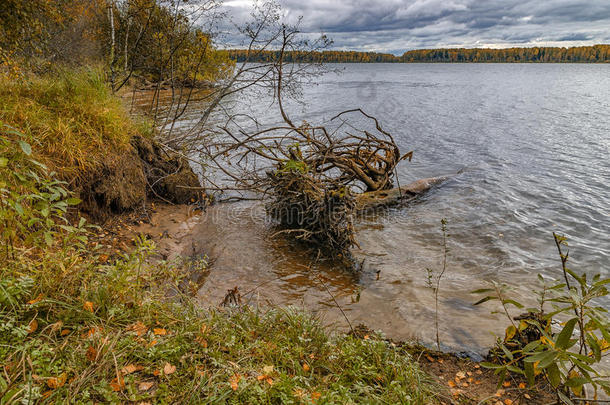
(580, 54)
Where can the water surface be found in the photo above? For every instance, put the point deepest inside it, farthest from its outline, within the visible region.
(531, 145)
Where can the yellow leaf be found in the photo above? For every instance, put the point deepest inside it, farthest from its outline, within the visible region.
(523, 325)
(169, 369)
(234, 380)
(576, 390)
(57, 382)
(202, 342)
(508, 401)
(33, 326)
(117, 384)
(315, 396)
(522, 385)
(65, 332)
(305, 367)
(88, 333)
(88, 306)
(145, 385)
(139, 328)
(159, 331)
(130, 368)
(268, 369)
(506, 384)
(511, 331)
(269, 380)
(35, 300)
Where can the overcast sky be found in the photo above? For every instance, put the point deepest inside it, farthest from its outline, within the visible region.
(399, 25)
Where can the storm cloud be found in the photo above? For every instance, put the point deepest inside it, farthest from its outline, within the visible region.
(399, 25)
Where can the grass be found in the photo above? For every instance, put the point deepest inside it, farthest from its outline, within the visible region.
(76, 331)
(76, 328)
(71, 115)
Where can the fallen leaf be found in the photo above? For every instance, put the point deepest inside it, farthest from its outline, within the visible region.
(139, 328)
(57, 382)
(145, 385)
(33, 326)
(203, 328)
(451, 384)
(306, 367)
(202, 342)
(465, 384)
(234, 380)
(90, 332)
(366, 337)
(315, 396)
(169, 369)
(159, 331)
(35, 300)
(117, 384)
(506, 384)
(508, 401)
(88, 306)
(522, 385)
(130, 368)
(460, 375)
(268, 369)
(91, 354)
(65, 332)
(152, 343)
(527, 396)
(430, 359)
(156, 373)
(477, 366)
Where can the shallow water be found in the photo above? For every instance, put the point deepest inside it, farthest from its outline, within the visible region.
(531, 145)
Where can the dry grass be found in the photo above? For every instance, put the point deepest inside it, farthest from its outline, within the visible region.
(71, 117)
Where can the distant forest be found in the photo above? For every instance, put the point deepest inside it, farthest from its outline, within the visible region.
(580, 54)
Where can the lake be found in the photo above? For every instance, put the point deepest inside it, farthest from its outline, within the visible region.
(527, 147)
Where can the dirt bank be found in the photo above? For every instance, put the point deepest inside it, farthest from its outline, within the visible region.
(145, 171)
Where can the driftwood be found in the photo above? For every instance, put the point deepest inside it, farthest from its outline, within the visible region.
(386, 198)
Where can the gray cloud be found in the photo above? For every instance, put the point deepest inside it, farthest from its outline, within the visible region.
(399, 25)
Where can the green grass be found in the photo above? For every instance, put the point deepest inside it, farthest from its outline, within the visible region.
(92, 323)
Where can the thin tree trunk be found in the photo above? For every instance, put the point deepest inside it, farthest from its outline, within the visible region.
(112, 43)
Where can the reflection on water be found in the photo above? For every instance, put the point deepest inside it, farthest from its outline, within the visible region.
(531, 144)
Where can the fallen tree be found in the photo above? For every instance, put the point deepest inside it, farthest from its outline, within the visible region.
(313, 176)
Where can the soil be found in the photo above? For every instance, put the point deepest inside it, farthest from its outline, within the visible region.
(125, 182)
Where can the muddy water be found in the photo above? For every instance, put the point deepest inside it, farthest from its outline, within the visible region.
(531, 145)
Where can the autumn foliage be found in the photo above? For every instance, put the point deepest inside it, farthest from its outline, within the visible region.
(583, 54)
